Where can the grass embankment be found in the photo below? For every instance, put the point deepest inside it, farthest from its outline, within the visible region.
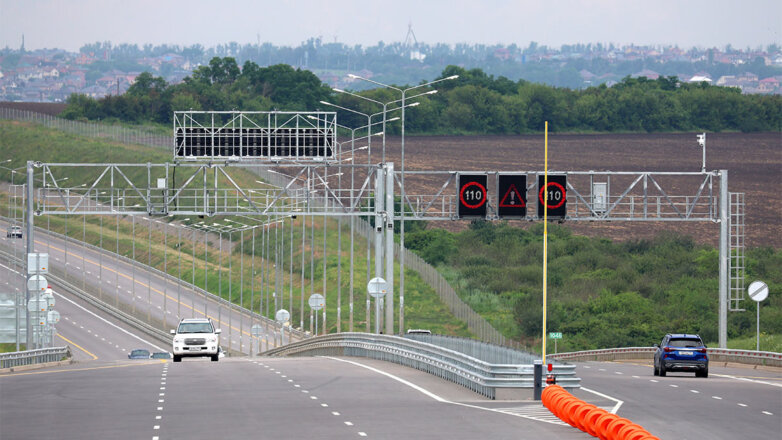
(22, 141)
(600, 293)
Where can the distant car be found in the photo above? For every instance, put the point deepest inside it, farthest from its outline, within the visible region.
(681, 352)
(161, 355)
(14, 232)
(139, 354)
(418, 331)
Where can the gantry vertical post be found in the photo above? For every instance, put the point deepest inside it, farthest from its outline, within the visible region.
(389, 227)
(724, 258)
(30, 249)
(379, 226)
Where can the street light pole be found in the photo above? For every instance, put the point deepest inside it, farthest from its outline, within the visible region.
(402, 184)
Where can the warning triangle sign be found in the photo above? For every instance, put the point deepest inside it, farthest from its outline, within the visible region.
(512, 198)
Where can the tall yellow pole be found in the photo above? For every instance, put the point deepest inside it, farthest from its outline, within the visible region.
(545, 236)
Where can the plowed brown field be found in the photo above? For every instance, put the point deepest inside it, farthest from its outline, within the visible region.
(753, 161)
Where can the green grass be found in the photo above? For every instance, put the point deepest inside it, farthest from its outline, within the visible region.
(423, 308)
(767, 342)
(10, 347)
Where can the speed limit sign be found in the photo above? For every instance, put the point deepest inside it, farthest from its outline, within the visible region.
(555, 194)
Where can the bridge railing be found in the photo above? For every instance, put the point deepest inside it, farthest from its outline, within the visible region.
(493, 380)
(31, 357)
(751, 357)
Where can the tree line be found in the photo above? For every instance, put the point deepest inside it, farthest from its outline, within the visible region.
(475, 103)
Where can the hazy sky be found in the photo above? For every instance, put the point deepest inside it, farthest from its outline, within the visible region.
(69, 24)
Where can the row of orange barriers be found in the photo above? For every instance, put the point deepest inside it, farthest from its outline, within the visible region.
(595, 421)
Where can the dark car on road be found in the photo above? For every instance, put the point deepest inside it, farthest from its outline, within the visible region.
(14, 232)
(139, 354)
(681, 352)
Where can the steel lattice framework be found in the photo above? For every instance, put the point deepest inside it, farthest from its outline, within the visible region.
(301, 151)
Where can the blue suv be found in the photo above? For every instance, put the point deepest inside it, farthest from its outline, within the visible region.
(681, 352)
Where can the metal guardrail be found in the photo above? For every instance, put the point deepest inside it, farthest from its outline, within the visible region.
(31, 357)
(487, 352)
(212, 297)
(111, 310)
(488, 379)
(751, 357)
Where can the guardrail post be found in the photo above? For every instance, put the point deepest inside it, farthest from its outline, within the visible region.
(537, 387)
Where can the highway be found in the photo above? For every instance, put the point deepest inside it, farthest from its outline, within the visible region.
(145, 295)
(736, 401)
(104, 394)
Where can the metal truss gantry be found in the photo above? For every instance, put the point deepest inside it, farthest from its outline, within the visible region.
(209, 189)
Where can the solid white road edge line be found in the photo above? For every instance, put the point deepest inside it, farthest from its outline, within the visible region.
(618, 402)
(93, 314)
(440, 399)
(110, 323)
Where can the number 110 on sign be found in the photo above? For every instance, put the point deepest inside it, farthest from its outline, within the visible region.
(472, 195)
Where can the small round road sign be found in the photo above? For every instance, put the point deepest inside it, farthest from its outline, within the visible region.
(53, 317)
(282, 316)
(377, 287)
(317, 301)
(758, 291)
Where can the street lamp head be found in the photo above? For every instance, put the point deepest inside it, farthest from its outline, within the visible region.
(395, 118)
(338, 90)
(431, 92)
(415, 104)
(452, 77)
(325, 103)
(350, 75)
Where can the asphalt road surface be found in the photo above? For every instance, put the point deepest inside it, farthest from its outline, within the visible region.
(105, 395)
(145, 295)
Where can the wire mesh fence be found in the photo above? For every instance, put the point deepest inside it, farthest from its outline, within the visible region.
(479, 326)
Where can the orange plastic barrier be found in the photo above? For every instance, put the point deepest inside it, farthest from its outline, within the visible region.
(595, 421)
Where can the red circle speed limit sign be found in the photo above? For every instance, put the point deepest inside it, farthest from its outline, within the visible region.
(472, 195)
(556, 200)
(556, 195)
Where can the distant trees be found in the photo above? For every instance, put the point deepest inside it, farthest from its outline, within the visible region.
(475, 103)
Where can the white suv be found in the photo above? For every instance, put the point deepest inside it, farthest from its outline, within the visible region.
(196, 337)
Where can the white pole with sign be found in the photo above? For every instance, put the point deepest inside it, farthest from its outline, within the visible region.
(758, 291)
(377, 288)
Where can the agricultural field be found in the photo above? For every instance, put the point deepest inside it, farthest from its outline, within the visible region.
(753, 161)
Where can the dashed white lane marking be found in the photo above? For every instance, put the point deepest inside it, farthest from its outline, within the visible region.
(618, 372)
(716, 397)
(158, 417)
(695, 391)
(636, 377)
(324, 405)
(335, 413)
(313, 398)
(767, 413)
(362, 434)
(673, 386)
(653, 380)
(743, 405)
(349, 423)
(745, 379)
(156, 427)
